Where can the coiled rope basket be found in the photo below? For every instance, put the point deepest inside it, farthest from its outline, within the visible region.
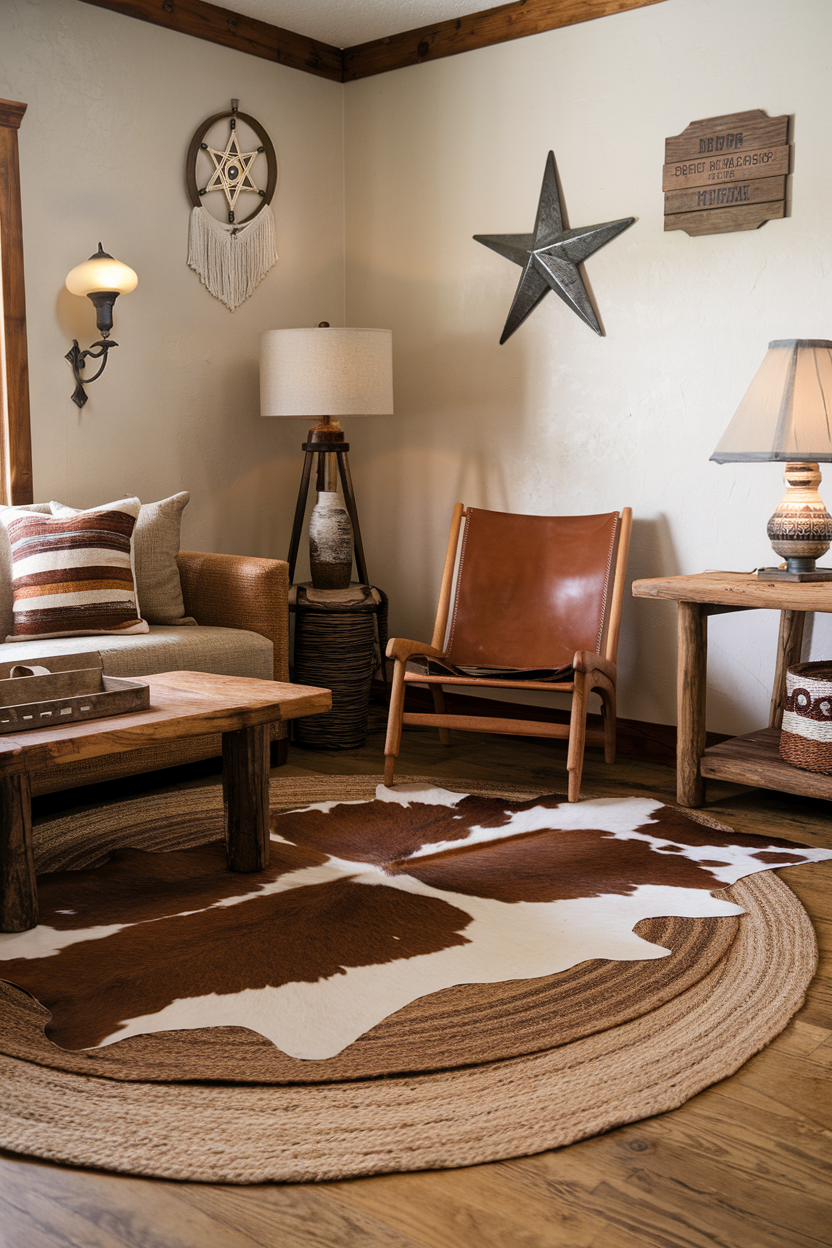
(806, 735)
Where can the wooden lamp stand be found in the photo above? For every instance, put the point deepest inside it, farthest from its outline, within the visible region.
(326, 441)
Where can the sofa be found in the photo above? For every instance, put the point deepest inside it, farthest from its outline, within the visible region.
(232, 620)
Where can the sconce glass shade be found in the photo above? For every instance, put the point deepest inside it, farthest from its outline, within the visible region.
(326, 372)
(786, 412)
(101, 273)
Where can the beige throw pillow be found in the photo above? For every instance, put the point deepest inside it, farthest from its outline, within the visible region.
(156, 545)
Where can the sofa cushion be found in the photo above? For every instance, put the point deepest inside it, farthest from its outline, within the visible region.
(6, 599)
(156, 545)
(164, 648)
(73, 574)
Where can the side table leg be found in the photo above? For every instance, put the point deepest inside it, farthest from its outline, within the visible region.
(18, 889)
(789, 644)
(245, 787)
(691, 678)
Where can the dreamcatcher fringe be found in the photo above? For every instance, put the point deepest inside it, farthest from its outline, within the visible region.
(231, 264)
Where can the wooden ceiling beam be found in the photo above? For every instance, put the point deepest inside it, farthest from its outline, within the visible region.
(411, 47)
(234, 30)
(476, 30)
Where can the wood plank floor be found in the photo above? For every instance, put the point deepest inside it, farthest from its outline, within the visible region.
(746, 1164)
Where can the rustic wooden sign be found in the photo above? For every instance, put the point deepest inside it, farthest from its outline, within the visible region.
(726, 173)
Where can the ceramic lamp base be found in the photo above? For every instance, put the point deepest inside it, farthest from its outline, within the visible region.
(801, 528)
(783, 574)
(330, 543)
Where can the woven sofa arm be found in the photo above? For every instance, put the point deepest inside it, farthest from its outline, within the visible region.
(239, 591)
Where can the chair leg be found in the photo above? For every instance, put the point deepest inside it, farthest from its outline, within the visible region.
(608, 703)
(394, 722)
(439, 706)
(577, 737)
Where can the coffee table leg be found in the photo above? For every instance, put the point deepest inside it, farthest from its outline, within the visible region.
(18, 889)
(245, 784)
(691, 684)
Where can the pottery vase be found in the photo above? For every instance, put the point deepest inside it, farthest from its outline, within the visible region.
(330, 543)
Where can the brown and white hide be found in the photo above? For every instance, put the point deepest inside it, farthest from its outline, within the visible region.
(366, 906)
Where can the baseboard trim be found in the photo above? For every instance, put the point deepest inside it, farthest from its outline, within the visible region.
(636, 738)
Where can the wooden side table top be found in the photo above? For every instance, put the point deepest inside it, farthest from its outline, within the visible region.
(741, 590)
(182, 704)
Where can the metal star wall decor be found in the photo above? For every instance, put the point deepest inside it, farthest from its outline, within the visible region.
(550, 256)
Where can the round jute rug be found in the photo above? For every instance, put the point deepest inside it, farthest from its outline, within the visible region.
(471, 1074)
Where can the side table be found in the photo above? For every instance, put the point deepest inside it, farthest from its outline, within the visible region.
(754, 758)
(341, 637)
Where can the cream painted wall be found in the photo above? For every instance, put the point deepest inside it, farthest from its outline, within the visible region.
(559, 420)
(112, 106)
(555, 420)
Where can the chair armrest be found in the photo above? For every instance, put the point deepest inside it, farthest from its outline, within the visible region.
(239, 591)
(586, 661)
(401, 648)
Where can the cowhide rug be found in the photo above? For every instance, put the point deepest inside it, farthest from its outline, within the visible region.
(367, 906)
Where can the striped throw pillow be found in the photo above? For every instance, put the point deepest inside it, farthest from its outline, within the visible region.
(73, 575)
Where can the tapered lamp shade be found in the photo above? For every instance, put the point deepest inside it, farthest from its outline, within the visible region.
(101, 273)
(326, 372)
(786, 413)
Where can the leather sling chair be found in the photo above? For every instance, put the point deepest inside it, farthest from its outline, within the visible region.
(535, 604)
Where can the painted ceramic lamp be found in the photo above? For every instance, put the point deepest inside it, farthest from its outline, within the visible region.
(785, 416)
(330, 543)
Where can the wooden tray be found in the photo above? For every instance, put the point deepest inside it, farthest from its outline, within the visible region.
(64, 689)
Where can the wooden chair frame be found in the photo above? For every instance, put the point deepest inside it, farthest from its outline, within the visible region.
(592, 672)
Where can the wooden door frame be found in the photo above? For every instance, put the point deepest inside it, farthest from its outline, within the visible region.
(15, 434)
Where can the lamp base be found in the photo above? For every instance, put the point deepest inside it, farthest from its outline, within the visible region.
(783, 574)
(801, 528)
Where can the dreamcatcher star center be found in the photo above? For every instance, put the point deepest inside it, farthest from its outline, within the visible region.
(231, 170)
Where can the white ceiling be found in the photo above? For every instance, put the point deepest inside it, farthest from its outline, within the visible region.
(347, 22)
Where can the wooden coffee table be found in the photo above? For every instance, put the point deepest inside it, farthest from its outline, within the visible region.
(182, 704)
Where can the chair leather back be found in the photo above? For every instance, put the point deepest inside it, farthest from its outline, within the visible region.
(531, 590)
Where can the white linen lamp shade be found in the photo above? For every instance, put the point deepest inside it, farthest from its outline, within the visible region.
(786, 412)
(786, 415)
(326, 372)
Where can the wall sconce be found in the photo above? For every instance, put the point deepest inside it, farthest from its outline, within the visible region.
(102, 279)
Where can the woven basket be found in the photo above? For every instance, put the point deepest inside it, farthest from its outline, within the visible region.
(806, 736)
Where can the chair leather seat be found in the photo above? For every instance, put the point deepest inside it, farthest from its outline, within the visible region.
(423, 665)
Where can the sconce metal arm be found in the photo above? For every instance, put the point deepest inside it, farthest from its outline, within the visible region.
(77, 360)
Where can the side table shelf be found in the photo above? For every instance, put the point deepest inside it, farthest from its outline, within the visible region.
(755, 759)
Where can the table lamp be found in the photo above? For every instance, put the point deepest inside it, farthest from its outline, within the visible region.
(326, 373)
(786, 415)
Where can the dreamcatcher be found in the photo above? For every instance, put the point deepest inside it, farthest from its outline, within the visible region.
(232, 256)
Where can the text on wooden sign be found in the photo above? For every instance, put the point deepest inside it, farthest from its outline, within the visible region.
(726, 173)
